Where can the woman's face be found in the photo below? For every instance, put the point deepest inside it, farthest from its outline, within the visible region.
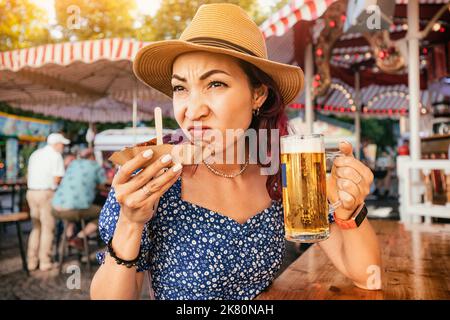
(212, 91)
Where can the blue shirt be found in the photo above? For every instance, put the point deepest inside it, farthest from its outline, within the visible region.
(195, 253)
(78, 186)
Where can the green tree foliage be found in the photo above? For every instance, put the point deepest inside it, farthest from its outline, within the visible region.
(174, 15)
(99, 19)
(22, 25)
(280, 4)
(378, 131)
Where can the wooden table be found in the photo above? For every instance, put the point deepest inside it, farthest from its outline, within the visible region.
(416, 265)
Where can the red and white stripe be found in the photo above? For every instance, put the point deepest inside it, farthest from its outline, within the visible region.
(291, 13)
(297, 10)
(66, 53)
(100, 70)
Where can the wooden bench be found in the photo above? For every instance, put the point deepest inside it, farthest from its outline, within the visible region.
(17, 218)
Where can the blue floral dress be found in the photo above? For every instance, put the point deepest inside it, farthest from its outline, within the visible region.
(195, 253)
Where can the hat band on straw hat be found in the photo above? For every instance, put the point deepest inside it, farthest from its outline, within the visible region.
(220, 43)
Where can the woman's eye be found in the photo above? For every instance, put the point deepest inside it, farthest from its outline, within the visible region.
(216, 84)
(177, 88)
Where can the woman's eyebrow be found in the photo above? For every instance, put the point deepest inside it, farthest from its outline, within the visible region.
(175, 76)
(203, 76)
(211, 72)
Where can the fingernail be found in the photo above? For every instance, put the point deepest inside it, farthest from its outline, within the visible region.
(166, 158)
(177, 167)
(147, 153)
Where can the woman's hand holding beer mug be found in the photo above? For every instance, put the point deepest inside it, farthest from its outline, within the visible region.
(349, 182)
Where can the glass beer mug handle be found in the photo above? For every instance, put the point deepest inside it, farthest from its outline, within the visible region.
(334, 206)
(331, 155)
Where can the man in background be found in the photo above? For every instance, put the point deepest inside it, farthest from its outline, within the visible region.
(45, 171)
(76, 194)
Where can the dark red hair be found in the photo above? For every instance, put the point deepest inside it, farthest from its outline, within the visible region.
(272, 115)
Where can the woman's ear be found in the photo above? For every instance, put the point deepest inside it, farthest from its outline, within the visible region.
(259, 96)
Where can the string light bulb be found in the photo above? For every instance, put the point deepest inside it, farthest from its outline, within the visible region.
(436, 27)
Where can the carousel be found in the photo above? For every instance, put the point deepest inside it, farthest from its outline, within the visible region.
(382, 59)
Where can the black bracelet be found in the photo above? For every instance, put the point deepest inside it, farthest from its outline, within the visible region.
(126, 263)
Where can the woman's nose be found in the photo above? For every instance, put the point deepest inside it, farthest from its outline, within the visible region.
(196, 108)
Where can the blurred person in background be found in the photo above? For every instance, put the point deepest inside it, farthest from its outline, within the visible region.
(77, 192)
(383, 173)
(68, 158)
(45, 171)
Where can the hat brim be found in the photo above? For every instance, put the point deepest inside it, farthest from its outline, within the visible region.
(153, 66)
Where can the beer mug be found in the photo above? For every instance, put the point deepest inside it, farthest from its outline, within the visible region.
(303, 166)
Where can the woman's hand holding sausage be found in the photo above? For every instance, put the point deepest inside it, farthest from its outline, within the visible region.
(137, 193)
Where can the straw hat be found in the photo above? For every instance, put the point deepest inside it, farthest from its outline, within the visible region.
(217, 28)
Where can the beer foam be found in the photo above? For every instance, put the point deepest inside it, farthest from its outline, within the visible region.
(297, 145)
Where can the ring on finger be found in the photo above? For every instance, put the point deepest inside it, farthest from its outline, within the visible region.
(146, 191)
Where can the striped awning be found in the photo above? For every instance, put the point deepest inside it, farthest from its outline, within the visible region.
(290, 14)
(69, 52)
(90, 81)
(297, 10)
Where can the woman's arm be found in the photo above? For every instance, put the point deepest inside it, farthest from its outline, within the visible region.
(355, 252)
(113, 281)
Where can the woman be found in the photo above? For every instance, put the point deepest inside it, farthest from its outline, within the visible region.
(217, 231)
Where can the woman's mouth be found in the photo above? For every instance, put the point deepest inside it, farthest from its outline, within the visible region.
(198, 132)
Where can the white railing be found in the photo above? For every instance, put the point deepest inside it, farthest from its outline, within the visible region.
(413, 188)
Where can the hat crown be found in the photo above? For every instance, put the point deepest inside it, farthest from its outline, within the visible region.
(54, 138)
(228, 26)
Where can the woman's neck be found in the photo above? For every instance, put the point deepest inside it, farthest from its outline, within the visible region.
(230, 160)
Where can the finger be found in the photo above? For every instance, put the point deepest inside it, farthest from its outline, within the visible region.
(357, 165)
(350, 187)
(160, 172)
(347, 200)
(150, 201)
(348, 173)
(125, 172)
(346, 148)
(148, 173)
(156, 184)
(363, 185)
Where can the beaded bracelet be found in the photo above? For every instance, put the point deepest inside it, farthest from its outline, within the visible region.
(126, 263)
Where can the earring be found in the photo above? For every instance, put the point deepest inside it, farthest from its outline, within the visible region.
(256, 112)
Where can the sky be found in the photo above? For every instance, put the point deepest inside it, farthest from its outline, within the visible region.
(150, 6)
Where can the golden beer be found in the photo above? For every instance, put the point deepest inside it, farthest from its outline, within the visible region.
(304, 188)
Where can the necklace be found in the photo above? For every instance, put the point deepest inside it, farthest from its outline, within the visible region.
(224, 175)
